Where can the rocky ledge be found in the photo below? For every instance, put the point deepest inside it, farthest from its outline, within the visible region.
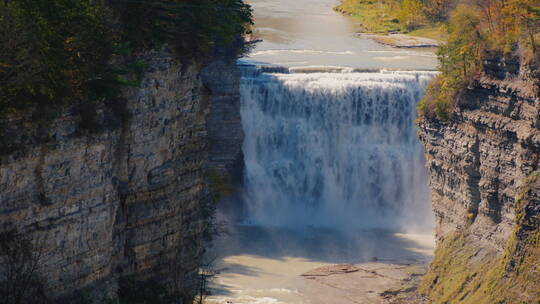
(483, 164)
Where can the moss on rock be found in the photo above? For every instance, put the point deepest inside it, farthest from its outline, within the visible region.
(462, 272)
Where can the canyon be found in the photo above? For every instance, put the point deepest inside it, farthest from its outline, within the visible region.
(307, 155)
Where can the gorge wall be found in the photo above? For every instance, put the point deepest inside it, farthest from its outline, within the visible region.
(131, 203)
(483, 165)
(224, 123)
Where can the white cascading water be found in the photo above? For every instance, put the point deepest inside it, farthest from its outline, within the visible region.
(334, 149)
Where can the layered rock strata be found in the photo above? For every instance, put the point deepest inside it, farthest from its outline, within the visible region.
(224, 123)
(131, 202)
(483, 164)
(478, 159)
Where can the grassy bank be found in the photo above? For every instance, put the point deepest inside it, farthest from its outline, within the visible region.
(433, 31)
(384, 17)
(374, 17)
(462, 273)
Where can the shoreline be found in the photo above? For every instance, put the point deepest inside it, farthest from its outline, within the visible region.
(392, 281)
(401, 40)
(288, 267)
(366, 283)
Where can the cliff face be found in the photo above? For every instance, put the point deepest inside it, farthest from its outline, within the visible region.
(483, 165)
(131, 203)
(224, 122)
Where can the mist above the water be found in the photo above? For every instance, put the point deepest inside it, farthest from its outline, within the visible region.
(334, 150)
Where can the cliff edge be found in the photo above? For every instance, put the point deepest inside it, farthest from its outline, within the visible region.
(483, 164)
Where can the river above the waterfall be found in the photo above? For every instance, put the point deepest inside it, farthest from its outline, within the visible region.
(310, 33)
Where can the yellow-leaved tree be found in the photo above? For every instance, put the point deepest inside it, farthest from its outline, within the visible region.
(410, 14)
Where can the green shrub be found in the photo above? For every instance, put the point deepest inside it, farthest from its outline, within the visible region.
(440, 98)
(409, 15)
(460, 61)
(53, 52)
(194, 27)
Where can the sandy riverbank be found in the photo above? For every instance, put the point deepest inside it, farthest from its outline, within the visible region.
(367, 283)
(278, 267)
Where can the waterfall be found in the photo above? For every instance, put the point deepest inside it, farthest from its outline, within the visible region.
(334, 149)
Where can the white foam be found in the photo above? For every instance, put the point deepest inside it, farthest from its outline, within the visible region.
(334, 149)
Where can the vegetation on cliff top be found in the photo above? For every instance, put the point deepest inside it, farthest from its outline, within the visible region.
(475, 31)
(463, 273)
(479, 32)
(58, 52)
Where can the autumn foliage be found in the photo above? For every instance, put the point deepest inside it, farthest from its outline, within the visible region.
(478, 32)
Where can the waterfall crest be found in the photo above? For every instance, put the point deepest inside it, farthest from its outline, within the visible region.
(334, 149)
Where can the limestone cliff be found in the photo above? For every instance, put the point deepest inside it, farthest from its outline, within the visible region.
(483, 165)
(130, 203)
(224, 122)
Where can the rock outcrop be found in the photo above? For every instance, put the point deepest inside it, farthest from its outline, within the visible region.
(132, 202)
(483, 164)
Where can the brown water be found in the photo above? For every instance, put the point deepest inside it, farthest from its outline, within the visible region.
(310, 33)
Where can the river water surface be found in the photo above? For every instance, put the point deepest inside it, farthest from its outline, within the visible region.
(310, 33)
(334, 170)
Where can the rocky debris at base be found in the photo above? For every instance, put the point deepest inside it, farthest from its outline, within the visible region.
(367, 283)
(331, 270)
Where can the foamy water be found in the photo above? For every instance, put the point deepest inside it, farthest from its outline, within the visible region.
(335, 150)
